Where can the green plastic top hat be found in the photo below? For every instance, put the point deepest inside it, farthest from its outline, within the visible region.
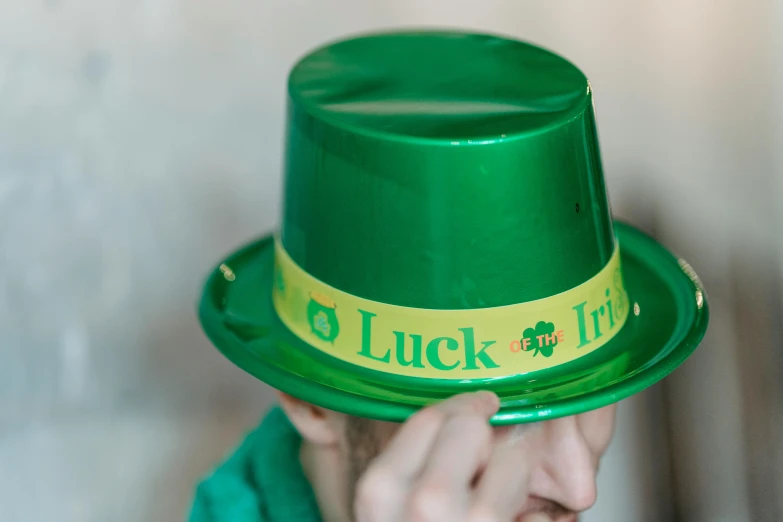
(446, 228)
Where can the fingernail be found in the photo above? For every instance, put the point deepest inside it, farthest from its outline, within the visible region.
(490, 399)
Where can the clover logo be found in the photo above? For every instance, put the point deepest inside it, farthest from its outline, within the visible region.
(542, 339)
(322, 317)
(321, 324)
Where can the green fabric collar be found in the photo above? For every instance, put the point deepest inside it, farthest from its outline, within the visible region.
(262, 481)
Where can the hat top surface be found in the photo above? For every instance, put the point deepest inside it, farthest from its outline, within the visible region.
(441, 86)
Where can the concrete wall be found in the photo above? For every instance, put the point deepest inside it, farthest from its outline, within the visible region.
(140, 141)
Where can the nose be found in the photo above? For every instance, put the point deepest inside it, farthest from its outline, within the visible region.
(567, 469)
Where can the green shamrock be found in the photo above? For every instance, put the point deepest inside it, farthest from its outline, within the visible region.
(321, 324)
(322, 317)
(544, 332)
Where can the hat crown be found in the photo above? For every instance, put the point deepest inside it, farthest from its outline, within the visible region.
(444, 170)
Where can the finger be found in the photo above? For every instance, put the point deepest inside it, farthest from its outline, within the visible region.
(443, 489)
(382, 492)
(385, 487)
(482, 403)
(503, 488)
(408, 449)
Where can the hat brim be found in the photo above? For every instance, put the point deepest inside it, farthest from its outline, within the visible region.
(667, 321)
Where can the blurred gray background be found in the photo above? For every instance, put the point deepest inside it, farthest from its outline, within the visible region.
(141, 141)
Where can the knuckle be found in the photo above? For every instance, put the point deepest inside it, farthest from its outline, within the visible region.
(375, 489)
(431, 502)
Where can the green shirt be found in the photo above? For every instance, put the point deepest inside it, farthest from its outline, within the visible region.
(262, 481)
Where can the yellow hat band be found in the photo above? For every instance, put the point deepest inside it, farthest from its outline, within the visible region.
(451, 344)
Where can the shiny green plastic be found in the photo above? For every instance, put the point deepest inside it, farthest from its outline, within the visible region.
(450, 171)
(237, 315)
(444, 170)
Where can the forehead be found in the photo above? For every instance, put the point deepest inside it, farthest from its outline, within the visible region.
(596, 424)
(359, 429)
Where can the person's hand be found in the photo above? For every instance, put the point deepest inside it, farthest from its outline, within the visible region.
(441, 467)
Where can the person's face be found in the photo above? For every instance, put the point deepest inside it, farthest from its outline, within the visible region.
(564, 454)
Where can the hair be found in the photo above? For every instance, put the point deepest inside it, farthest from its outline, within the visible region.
(363, 444)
